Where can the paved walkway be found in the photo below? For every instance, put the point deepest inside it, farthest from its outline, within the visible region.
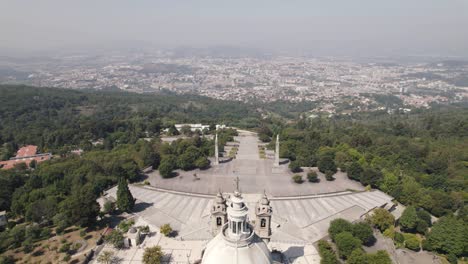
(255, 174)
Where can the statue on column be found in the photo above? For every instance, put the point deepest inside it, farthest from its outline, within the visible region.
(216, 162)
(276, 164)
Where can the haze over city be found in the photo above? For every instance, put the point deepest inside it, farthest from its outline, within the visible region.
(252, 132)
(322, 28)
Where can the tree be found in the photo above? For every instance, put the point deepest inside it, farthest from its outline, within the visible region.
(371, 177)
(448, 236)
(109, 207)
(424, 216)
(346, 243)
(382, 219)
(381, 257)
(166, 230)
(354, 171)
(152, 255)
(411, 242)
(106, 257)
(186, 130)
(409, 219)
(186, 161)
(326, 163)
(202, 163)
(338, 226)
(116, 238)
(364, 232)
(125, 200)
(312, 176)
(166, 166)
(326, 253)
(264, 138)
(172, 131)
(358, 256)
(80, 208)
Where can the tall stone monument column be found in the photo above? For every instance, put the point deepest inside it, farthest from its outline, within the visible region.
(216, 162)
(276, 164)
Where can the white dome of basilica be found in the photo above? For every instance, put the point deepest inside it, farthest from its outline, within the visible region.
(237, 241)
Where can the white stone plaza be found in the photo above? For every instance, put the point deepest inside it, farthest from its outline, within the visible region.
(300, 213)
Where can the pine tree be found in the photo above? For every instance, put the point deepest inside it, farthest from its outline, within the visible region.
(125, 201)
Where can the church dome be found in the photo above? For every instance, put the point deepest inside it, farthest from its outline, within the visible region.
(237, 241)
(219, 250)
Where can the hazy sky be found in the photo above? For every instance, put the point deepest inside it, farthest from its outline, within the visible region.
(323, 27)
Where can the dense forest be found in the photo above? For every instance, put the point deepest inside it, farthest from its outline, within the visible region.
(419, 158)
(62, 192)
(55, 119)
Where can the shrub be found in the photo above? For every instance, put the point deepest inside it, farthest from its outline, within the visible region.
(338, 226)
(28, 245)
(426, 245)
(152, 255)
(326, 253)
(312, 176)
(297, 178)
(45, 233)
(452, 258)
(109, 207)
(294, 166)
(125, 225)
(358, 256)
(116, 239)
(411, 242)
(390, 232)
(166, 229)
(83, 233)
(329, 175)
(399, 238)
(65, 248)
(7, 259)
(346, 244)
(381, 257)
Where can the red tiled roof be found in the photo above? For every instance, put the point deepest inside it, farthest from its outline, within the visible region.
(29, 150)
(9, 164)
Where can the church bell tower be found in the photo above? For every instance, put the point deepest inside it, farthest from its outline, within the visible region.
(218, 214)
(263, 212)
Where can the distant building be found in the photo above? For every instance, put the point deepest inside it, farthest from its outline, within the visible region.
(25, 155)
(77, 152)
(193, 127)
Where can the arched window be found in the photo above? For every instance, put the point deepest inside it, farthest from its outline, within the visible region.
(263, 222)
(219, 221)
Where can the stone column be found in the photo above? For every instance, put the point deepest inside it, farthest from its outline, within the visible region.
(276, 164)
(216, 162)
